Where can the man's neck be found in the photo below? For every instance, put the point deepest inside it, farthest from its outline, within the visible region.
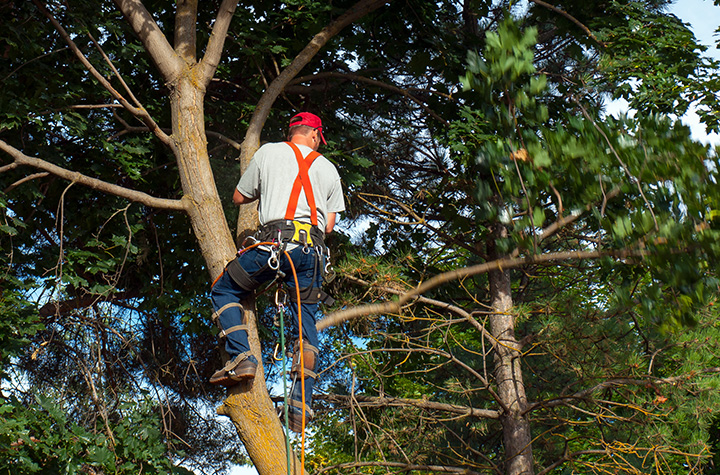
(303, 140)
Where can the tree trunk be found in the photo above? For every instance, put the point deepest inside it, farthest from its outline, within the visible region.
(508, 373)
(198, 183)
(248, 405)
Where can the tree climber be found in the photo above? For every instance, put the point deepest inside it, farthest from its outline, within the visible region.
(300, 195)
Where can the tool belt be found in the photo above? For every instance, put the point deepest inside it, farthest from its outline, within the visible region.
(286, 230)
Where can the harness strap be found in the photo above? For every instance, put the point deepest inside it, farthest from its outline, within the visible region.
(233, 363)
(216, 315)
(313, 295)
(235, 328)
(216, 318)
(241, 277)
(299, 405)
(310, 357)
(302, 181)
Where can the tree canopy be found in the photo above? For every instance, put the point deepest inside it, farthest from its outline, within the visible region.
(524, 284)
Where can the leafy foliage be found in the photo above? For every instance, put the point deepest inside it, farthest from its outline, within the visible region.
(451, 159)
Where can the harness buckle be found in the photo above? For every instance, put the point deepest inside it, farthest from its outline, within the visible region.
(302, 233)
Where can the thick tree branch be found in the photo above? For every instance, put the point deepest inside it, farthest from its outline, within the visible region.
(262, 110)
(157, 46)
(75, 177)
(215, 45)
(395, 306)
(368, 401)
(66, 306)
(186, 30)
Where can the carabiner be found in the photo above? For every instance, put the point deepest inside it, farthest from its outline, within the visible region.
(275, 352)
(273, 261)
(280, 302)
(253, 240)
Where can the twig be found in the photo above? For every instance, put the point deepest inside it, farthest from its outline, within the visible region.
(571, 18)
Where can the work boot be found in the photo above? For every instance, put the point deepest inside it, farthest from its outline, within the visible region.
(241, 368)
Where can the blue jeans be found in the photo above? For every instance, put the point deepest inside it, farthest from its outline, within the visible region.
(308, 267)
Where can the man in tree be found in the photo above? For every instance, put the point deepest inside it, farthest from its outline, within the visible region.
(300, 195)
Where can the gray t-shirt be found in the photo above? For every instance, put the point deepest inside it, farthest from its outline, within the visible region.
(270, 177)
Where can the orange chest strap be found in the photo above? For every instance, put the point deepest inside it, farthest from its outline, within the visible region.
(302, 182)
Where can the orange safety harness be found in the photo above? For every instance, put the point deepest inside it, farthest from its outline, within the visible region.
(302, 181)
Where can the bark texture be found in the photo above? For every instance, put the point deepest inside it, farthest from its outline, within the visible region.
(517, 438)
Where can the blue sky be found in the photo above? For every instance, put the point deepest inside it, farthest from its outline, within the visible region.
(704, 19)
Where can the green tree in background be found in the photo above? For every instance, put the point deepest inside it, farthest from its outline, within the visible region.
(526, 263)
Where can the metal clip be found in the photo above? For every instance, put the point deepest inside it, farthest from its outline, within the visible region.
(273, 261)
(275, 352)
(280, 298)
(328, 271)
(249, 241)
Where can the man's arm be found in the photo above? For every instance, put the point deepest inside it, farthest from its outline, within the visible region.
(330, 222)
(240, 199)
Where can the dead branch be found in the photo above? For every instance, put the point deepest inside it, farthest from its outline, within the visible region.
(436, 303)
(368, 401)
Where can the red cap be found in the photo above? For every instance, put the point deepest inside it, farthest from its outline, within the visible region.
(311, 120)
